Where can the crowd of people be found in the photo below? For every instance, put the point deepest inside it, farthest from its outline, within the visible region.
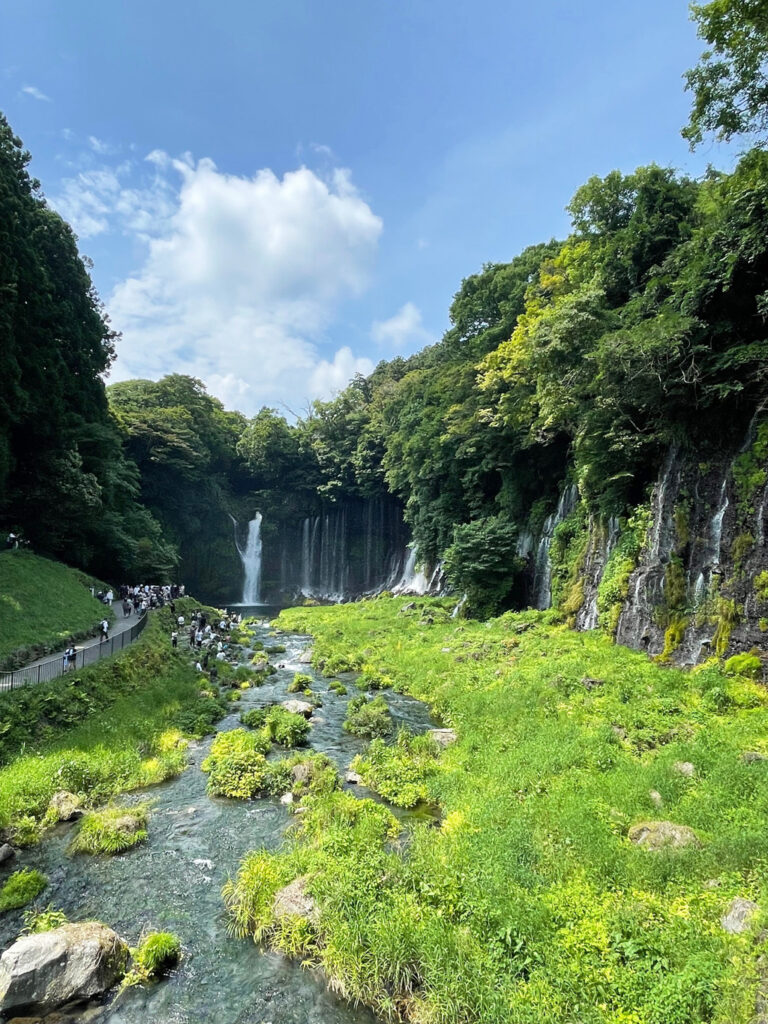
(210, 640)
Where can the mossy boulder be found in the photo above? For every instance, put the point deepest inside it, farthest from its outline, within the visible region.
(44, 971)
(662, 835)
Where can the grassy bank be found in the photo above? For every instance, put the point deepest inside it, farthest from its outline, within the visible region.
(530, 902)
(42, 605)
(114, 726)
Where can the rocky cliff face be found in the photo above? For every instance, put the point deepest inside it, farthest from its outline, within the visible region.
(695, 582)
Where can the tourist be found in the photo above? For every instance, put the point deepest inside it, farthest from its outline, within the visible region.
(180, 621)
(174, 639)
(104, 630)
(71, 656)
(198, 666)
(109, 598)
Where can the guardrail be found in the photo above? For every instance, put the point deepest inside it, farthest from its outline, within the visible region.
(55, 666)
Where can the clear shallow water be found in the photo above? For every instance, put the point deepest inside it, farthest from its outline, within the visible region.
(173, 882)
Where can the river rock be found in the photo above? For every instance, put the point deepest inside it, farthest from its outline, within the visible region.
(353, 778)
(6, 852)
(294, 901)
(685, 768)
(305, 658)
(299, 707)
(753, 757)
(65, 806)
(662, 835)
(68, 964)
(738, 917)
(443, 737)
(656, 798)
(302, 772)
(286, 798)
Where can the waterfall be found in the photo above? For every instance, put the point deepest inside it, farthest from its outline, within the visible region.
(716, 528)
(542, 578)
(413, 580)
(250, 556)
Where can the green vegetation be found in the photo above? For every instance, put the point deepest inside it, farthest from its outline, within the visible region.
(43, 605)
(299, 683)
(402, 772)
(156, 954)
(744, 665)
(368, 717)
(286, 728)
(112, 829)
(45, 920)
(530, 902)
(21, 888)
(237, 766)
(109, 728)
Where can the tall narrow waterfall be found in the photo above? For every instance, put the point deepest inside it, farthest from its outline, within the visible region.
(250, 556)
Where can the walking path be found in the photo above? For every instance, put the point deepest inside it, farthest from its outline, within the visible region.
(122, 633)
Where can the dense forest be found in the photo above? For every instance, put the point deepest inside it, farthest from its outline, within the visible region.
(580, 364)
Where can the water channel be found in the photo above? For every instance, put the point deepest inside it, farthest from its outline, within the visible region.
(173, 881)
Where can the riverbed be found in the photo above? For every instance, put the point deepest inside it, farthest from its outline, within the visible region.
(173, 881)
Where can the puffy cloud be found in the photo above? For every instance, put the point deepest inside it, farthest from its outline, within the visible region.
(404, 328)
(241, 279)
(35, 93)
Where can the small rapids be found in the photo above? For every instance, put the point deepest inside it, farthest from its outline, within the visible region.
(173, 881)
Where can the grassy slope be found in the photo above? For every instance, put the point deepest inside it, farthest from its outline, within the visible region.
(109, 728)
(42, 605)
(529, 903)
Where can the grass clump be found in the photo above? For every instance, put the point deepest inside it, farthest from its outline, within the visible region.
(748, 665)
(236, 765)
(299, 683)
(286, 728)
(402, 772)
(369, 718)
(529, 902)
(112, 829)
(304, 774)
(156, 954)
(336, 686)
(275, 649)
(21, 888)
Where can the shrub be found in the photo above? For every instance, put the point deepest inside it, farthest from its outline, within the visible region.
(239, 775)
(254, 719)
(482, 563)
(336, 686)
(287, 728)
(112, 829)
(157, 953)
(21, 888)
(745, 664)
(275, 649)
(368, 717)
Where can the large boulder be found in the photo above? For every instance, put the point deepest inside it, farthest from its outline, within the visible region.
(305, 658)
(663, 835)
(299, 707)
(294, 901)
(7, 852)
(65, 806)
(739, 915)
(443, 737)
(68, 964)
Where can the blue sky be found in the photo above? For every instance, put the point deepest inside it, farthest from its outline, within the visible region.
(276, 195)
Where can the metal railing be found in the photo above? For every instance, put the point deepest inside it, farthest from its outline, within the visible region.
(55, 666)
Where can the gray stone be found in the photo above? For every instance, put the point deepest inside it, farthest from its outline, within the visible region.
(685, 768)
(68, 964)
(662, 835)
(65, 806)
(443, 737)
(294, 901)
(6, 852)
(305, 658)
(302, 772)
(656, 798)
(286, 798)
(299, 707)
(753, 757)
(353, 778)
(739, 915)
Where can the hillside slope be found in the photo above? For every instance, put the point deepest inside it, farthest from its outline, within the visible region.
(42, 604)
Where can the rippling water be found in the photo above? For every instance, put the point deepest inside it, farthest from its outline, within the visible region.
(173, 882)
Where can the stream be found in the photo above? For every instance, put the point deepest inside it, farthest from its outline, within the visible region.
(173, 881)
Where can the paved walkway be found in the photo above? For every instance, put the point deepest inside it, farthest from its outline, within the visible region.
(123, 632)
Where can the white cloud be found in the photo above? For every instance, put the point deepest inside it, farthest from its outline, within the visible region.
(404, 328)
(35, 93)
(242, 276)
(99, 146)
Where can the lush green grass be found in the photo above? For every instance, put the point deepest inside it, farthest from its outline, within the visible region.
(529, 903)
(21, 888)
(43, 604)
(113, 727)
(112, 829)
(156, 954)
